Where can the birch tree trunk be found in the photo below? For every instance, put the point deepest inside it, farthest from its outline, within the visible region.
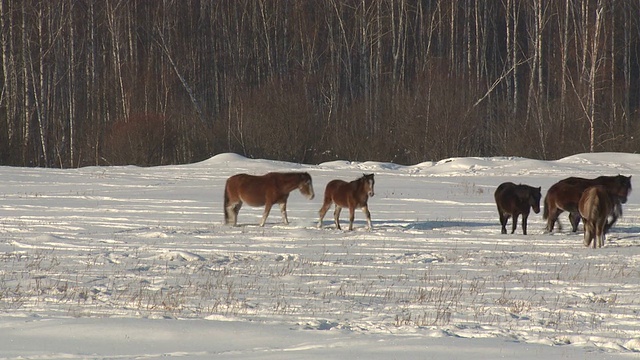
(564, 26)
(8, 69)
(26, 103)
(71, 88)
(595, 59)
(38, 88)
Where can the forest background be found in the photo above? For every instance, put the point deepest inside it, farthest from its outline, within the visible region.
(150, 82)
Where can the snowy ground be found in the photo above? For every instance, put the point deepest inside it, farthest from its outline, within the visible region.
(128, 262)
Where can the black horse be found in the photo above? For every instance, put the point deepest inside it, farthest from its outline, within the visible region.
(513, 200)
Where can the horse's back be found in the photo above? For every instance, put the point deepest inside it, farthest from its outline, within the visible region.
(503, 193)
(574, 180)
(234, 183)
(510, 197)
(238, 182)
(247, 188)
(333, 190)
(571, 184)
(566, 193)
(504, 187)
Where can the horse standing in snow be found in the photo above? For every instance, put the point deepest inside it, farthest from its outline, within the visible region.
(265, 190)
(565, 195)
(513, 200)
(354, 194)
(595, 206)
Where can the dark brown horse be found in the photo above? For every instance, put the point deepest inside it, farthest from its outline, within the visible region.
(565, 195)
(265, 190)
(513, 200)
(595, 206)
(352, 194)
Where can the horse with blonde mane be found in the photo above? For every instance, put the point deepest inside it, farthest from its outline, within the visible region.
(352, 195)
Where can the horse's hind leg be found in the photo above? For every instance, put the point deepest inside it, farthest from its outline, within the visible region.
(600, 233)
(588, 234)
(231, 213)
(323, 212)
(336, 216)
(514, 224)
(552, 217)
(503, 222)
(600, 240)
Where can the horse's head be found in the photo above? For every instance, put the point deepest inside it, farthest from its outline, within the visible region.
(306, 186)
(623, 187)
(369, 182)
(534, 199)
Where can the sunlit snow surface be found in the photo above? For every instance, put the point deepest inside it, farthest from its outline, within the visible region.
(126, 262)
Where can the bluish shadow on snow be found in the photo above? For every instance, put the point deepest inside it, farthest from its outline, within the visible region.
(439, 224)
(426, 225)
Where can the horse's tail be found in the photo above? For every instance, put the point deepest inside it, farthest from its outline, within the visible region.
(545, 213)
(226, 203)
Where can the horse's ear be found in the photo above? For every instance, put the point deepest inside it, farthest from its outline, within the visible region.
(539, 188)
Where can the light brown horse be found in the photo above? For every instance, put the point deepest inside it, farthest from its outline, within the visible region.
(265, 190)
(354, 194)
(565, 195)
(513, 200)
(595, 206)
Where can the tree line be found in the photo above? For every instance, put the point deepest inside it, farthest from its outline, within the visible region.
(149, 82)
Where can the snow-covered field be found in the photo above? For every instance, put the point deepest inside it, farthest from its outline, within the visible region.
(128, 262)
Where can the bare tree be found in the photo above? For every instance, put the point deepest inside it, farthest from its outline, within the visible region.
(595, 62)
(390, 80)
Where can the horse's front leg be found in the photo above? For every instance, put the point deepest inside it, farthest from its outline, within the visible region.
(525, 216)
(352, 217)
(265, 214)
(365, 210)
(283, 211)
(574, 218)
(614, 217)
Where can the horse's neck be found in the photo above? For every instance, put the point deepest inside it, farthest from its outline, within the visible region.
(291, 181)
(360, 183)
